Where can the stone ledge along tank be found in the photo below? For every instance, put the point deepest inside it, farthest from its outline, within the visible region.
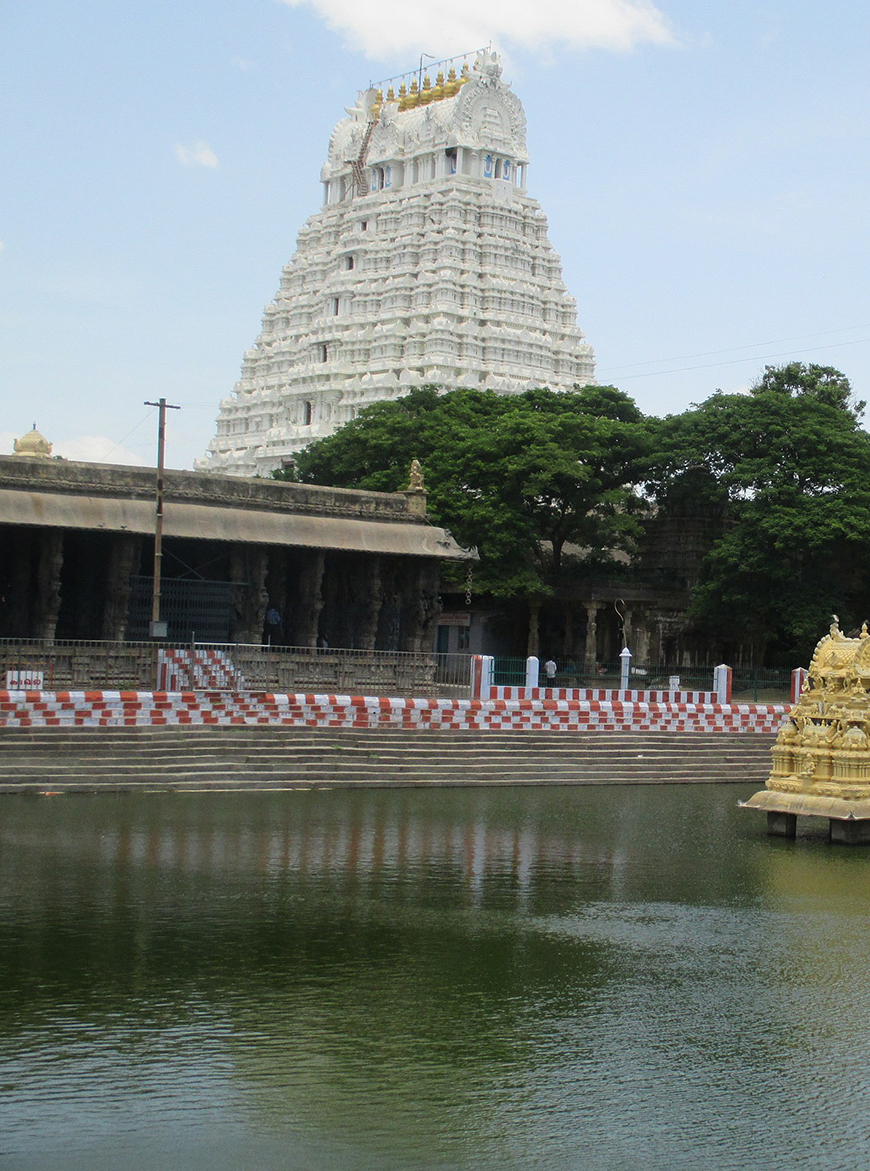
(821, 758)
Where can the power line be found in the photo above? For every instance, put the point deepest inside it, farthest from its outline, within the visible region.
(731, 349)
(127, 436)
(737, 361)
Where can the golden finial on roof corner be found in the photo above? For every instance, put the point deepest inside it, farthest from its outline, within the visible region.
(835, 627)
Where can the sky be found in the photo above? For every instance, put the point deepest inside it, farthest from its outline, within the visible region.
(704, 167)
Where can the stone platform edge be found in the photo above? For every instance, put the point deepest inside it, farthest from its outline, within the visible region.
(115, 709)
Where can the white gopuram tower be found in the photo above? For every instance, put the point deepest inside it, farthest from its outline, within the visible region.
(427, 264)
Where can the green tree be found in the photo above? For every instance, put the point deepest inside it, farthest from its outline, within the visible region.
(519, 477)
(824, 383)
(790, 469)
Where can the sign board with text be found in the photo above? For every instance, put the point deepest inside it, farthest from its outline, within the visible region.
(24, 680)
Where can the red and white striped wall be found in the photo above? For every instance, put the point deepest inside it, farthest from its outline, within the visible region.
(482, 687)
(603, 694)
(45, 709)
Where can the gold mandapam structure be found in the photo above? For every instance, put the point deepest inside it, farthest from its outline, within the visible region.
(821, 759)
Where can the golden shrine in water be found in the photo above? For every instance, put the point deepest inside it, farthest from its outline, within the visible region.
(821, 758)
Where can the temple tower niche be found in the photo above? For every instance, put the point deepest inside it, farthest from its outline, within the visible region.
(428, 263)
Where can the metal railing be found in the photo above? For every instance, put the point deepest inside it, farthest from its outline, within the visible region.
(134, 666)
(511, 672)
(749, 685)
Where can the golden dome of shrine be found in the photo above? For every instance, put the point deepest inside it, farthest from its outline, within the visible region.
(33, 445)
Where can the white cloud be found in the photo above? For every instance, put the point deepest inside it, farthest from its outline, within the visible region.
(199, 154)
(96, 449)
(383, 28)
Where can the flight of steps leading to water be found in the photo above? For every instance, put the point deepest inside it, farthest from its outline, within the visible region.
(198, 758)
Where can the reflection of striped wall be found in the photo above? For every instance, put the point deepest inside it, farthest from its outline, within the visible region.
(28, 709)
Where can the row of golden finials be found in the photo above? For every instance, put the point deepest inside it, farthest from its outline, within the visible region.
(410, 99)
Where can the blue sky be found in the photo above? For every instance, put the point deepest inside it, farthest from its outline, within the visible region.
(704, 168)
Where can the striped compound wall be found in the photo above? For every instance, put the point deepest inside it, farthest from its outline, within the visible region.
(44, 709)
(603, 694)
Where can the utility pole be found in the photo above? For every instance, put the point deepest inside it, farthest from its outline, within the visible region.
(158, 628)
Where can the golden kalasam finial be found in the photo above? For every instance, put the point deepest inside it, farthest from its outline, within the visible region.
(452, 85)
(426, 92)
(403, 96)
(438, 90)
(413, 98)
(415, 481)
(391, 97)
(835, 627)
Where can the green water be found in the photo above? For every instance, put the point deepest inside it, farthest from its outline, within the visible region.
(545, 978)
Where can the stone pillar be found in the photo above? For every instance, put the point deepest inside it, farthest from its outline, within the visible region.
(248, 567)
(123, 560)
(370, 588)
(640, 634)
(533, 644)
(627, 630)
(590, 654)
(420, 605)
(307, 618)
(657, 647)
(845, 833)
(782, 825)
(49, 565)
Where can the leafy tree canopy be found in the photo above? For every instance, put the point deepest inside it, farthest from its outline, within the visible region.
(824, 383)
(516, 476)
(790, 469)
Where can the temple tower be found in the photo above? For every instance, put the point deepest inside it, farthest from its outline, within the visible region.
(428, 263)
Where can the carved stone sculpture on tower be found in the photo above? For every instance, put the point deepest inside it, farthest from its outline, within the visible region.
(429, 263)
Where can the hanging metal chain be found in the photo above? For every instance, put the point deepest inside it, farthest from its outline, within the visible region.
(469, 582)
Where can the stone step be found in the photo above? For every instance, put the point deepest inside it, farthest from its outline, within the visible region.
(87, 783)
(518, 769)
(363, 759)
(55, 738)
(251, 776)
(245, 758)
(565, 747)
